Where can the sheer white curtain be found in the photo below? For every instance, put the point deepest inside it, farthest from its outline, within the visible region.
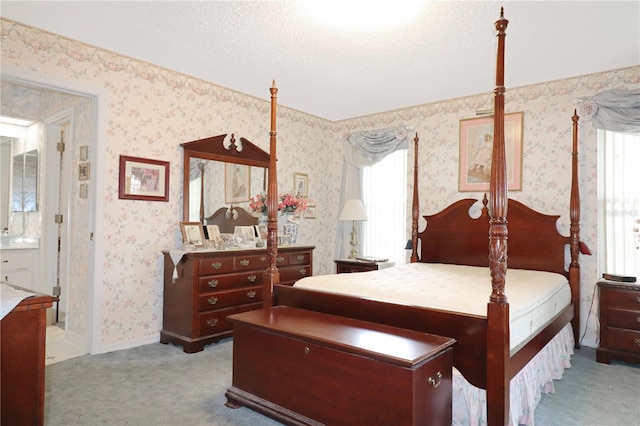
(620, 202)
(384, 193)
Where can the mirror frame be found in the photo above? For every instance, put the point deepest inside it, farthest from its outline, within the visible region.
(218, 148)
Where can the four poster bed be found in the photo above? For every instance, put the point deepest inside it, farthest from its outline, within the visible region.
(498, 342)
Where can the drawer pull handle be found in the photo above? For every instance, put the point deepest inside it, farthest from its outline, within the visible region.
(637, 340)
(251, 294)
(244, 262)
(300, 257)
(213, 283)
(212, 300)
(216, 265)
(263, 259)
(280, 259)
(303, 271)
(637, 319)
(436, 382)
(212, 322)
(307, 350)
(252, 278)
(638, 299)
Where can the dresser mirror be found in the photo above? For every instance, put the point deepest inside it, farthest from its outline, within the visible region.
(221, 172)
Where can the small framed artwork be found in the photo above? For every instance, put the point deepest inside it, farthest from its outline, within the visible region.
(213, 232)
(301, 184)
(192, 233)
(476, 147)
(310, 212)
(143, 179)
(237, 183)
(84, 189)
(84, 171)
(84, 153)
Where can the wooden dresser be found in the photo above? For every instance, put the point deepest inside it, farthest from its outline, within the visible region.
(211, 285)
(619, 322)
(22, 358)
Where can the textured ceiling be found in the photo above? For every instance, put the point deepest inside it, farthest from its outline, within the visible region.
(447, 50)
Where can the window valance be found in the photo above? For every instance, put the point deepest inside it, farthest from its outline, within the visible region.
(613, 110)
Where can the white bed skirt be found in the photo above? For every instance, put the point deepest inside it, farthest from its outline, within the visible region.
(527, 387)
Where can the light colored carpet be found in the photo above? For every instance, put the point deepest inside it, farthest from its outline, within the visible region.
(161, 385)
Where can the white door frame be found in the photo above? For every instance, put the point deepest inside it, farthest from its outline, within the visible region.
(96, 186)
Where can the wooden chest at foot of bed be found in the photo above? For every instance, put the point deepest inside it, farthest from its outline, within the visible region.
(304, 367)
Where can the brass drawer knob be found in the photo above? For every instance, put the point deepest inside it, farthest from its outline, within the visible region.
(300, 257)
(637, 319)
(216, 265)
(263, 258)
(213, 283)
(303, 271)
(638, 299)
(280, 259)
(637, 340)
(212, 300)
(252, 278)
(251, 294)
(307, 350)
(244, 262)
(436, 382)
(212, 322)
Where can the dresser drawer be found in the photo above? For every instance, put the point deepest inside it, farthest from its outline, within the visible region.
(300, 258)
(228, 281)
(622, 318)
(252, 262)
(292, 274)
(217, 265)
(216, 321)
(223, 299)
(626, 299)
(624, 340)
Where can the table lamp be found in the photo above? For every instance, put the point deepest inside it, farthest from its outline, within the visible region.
(353, 210)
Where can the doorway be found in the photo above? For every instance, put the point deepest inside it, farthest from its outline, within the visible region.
(66, 215)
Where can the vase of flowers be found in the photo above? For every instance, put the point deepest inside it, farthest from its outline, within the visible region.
(258, 205)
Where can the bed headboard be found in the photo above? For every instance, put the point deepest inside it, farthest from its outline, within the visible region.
(453, 236)
(228, 218)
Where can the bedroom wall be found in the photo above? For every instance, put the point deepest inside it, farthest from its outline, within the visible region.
(148, 111)
(546, 165)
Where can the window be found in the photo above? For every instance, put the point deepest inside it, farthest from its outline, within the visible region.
(619, 174)
(384, 192)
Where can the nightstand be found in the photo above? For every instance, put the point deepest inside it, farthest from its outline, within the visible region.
(346, 266)
(619, 322)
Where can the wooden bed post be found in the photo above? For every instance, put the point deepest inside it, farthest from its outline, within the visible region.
(574, 212)
(272, 276)
(498, 351)
(415, 207)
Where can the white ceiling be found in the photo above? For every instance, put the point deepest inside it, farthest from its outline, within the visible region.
(446, 51)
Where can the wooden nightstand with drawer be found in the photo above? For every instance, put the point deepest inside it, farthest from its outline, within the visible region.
(346, 266)
(619, 322)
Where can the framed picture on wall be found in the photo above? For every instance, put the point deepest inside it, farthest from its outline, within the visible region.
(476, 146)
(310, 212)
(301, 184)
(237, 183)
(143, 179)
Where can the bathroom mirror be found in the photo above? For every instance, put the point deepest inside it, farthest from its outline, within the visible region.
(206, 174)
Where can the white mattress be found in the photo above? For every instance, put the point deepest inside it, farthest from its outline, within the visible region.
(534, 297)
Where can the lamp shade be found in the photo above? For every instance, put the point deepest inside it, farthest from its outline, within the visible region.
(353, 210)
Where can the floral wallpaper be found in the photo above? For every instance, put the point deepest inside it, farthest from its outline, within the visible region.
(151, 110)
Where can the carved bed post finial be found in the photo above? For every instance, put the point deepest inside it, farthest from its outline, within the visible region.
(498, 197)
(574, 234)
(272, 274)
(415, 206)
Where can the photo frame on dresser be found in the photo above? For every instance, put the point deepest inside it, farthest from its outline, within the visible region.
(192, 233)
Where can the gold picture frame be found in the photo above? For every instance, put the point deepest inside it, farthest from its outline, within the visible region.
(476, 145)
(192, 233)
